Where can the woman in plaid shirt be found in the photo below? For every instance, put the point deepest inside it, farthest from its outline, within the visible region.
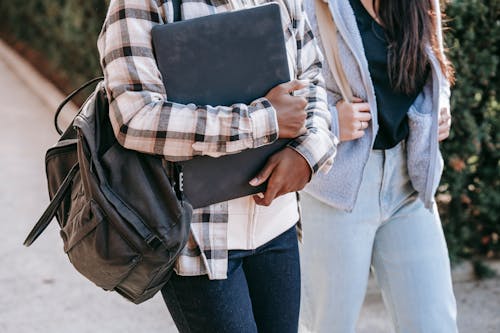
(239, 271)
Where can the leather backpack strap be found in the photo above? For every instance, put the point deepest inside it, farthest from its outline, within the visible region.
(328, 32)
(69, 98)
(50, 212)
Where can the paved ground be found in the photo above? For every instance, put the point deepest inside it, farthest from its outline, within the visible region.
(41, 292)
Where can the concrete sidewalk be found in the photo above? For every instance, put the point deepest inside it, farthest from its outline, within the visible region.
(41, 292)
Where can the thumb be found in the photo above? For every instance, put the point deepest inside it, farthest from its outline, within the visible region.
(264, 174)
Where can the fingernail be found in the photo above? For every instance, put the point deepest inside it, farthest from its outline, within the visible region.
(254, 182)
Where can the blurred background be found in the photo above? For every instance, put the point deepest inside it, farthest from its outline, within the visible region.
(58, 39)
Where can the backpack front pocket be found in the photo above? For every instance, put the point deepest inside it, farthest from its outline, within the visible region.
(96, 249)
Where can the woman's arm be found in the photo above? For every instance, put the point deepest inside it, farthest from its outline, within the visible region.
(142, 117)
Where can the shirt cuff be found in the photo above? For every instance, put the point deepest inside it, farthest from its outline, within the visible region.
(264, 121)
(318, 153)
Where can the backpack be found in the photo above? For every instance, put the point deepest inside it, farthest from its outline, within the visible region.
(123, 220)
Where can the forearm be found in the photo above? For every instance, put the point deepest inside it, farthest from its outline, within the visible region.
(148, 122)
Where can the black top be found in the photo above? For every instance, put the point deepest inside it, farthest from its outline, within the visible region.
(392, 105)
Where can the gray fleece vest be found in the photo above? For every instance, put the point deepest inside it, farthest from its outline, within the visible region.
(339, 188)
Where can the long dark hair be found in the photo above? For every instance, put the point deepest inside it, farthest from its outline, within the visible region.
(410, 25)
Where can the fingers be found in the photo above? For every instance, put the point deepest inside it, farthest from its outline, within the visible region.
(354, 119)
(293, 85)
(301, 103)
(363, 125)
(444, 117)
(267, 198)
(360, 131)
(443, 136)
(363, 116)
(357, 104)
(444, 111)
(265, 173)
(443, 132)
(259, 198)
(275, 187)
(354, 131)
(361, 107)
(444, 125)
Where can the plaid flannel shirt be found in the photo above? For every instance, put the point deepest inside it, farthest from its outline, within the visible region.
(145, 120)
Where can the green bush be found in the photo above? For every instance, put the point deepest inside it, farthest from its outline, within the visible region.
(65, 32)
(471, 205)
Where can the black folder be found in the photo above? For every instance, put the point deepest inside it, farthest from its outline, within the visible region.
(223, 59)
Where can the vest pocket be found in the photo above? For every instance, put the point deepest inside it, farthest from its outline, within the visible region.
(419, 150)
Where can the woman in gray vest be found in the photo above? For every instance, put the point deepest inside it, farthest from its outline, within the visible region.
(390, 108)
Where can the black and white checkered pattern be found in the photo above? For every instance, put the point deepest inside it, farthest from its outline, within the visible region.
(145, 120)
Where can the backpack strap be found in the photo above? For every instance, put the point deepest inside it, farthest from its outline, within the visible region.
(51, 210)
(69, 98)
(328, 31)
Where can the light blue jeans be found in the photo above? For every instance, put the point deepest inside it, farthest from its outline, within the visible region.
(389, 230)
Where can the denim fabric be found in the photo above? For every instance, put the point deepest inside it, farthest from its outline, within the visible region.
(261, 293)
(390, 230)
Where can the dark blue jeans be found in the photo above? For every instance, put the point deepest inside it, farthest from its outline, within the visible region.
(261, 293)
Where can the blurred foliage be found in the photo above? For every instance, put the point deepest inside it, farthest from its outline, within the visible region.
(470, 186)
(482, 270)
(65, 33)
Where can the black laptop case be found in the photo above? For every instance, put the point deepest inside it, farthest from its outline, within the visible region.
(223, 59)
